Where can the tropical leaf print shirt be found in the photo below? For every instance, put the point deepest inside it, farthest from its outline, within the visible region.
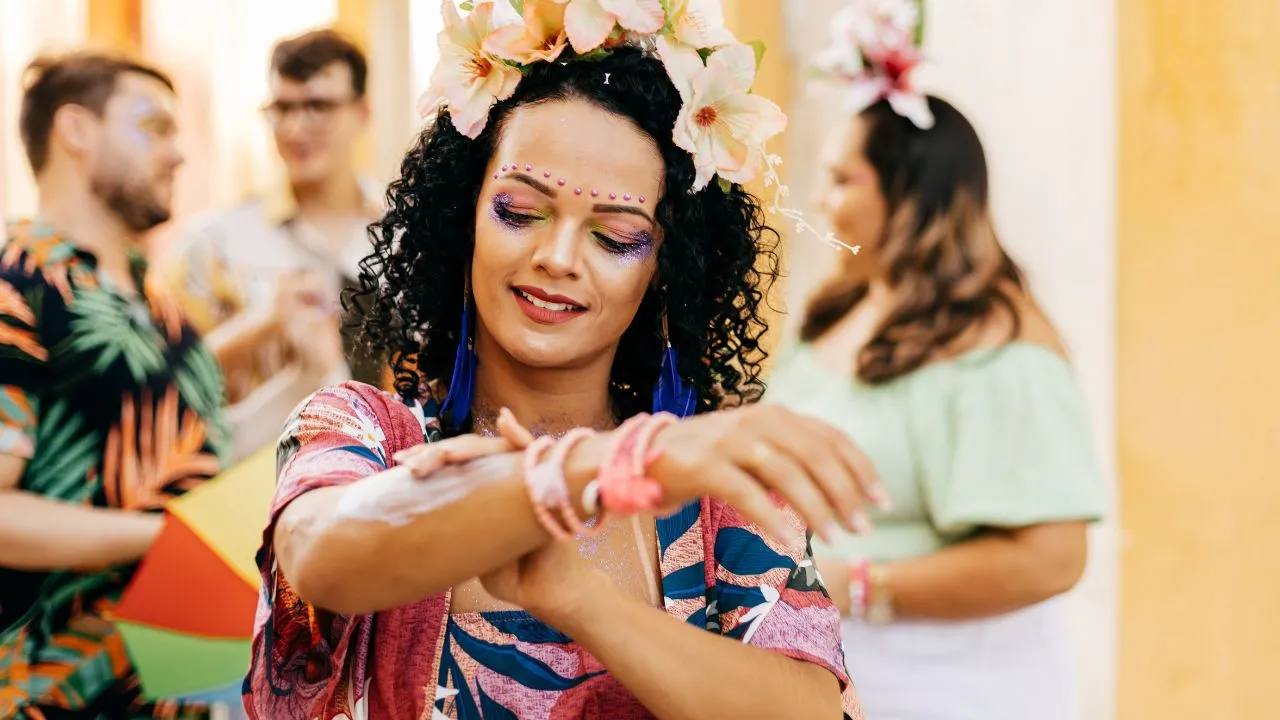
(112, 402)
(418, 661)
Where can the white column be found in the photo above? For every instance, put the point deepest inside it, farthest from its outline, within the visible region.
(1037, 78)
(391, 89)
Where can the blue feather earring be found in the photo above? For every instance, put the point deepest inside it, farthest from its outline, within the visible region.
(457, 402)
(671, 394)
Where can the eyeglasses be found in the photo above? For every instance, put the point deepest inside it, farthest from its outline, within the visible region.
(311, 110)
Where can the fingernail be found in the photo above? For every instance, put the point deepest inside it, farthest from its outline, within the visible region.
(830, 532)
(881, 497)
(861, 522)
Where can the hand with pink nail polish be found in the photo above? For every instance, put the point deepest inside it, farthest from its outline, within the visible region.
(746, 454)
(424, 459)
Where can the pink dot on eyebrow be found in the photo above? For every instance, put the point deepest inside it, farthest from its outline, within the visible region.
(560, 182)
(546, 173)
(577, 191)
(528, 168)
(595, 193)
(613, 196)
(504, 168)
(641, 198)
(626, 196)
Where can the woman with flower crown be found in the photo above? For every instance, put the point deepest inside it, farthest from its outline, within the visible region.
(547, 520)
(928, 350)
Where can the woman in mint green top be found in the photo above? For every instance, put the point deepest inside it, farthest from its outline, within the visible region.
(927, 349)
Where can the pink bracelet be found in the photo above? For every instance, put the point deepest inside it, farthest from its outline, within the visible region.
(548, 489)
(544, 490)
(859, 588)
(625, 488)
(555, 465)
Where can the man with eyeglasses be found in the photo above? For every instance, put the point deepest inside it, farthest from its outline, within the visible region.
(262, 281)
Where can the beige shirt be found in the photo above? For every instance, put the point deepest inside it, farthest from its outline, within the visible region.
(229, 263)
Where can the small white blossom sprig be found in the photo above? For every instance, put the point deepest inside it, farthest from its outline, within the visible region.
(780, 192)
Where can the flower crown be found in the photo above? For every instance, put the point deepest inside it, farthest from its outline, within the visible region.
(722, 125)
(874, 47)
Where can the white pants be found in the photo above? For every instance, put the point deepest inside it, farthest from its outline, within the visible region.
(1013, 667)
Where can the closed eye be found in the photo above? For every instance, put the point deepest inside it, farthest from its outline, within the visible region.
(506, 214)
(630, 242)
(503, 212)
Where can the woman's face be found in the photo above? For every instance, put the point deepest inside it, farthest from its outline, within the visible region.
(851, 197)
(566, 241)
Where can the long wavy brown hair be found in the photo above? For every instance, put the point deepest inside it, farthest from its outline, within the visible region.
(939, 250)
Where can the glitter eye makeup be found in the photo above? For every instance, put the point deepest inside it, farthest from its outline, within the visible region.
(629, 247)
(501, 209)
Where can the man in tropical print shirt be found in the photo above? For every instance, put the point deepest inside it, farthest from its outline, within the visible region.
(109, 404)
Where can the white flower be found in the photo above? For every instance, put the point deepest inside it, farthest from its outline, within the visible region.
(759, 612)
(468, 79)
(442, 693)
(700, 23)
(868, 22)
(721, 124)
(590, 22)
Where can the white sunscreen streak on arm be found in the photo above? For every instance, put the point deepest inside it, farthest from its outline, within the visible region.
(396, 497)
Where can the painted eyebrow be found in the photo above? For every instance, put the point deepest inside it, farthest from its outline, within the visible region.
(540, 187)
(551, 193)
(627, 209)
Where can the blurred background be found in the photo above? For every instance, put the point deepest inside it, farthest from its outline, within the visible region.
(1135, 167)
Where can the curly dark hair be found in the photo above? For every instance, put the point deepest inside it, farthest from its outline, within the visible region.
(716, 263)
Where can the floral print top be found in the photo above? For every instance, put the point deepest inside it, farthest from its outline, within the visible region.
(111, 402)
(416, 661)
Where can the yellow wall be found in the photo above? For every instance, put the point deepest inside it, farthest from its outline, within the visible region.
(762, 20)
(115, 24)
(353, 21)
(1199, 358)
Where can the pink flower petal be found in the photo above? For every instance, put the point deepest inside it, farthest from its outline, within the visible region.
(754, 118)
(686, 132)
(453, 31)
(705, 167)
(738, 62)
(864, 92)
(512, 42)
(700, 23)
(428, 103)
(504, 15)
(913, 107)
(682, 63)
(587, 24)
(644, 16)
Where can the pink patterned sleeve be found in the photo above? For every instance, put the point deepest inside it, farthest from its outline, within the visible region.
(769, 595)
(303, 656)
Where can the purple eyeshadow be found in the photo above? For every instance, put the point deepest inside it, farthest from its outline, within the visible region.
(500, 210)
(637, 247)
